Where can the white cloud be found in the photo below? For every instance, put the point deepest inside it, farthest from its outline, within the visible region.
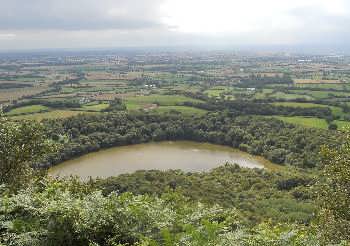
(244, 16)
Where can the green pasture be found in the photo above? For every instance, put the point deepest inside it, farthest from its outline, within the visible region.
(161, 100)
(336, 111)
(57, 114)
(27, 110)
(182, 109)
(95, 107)
(342, 125)
(304, 121)
(322, 94)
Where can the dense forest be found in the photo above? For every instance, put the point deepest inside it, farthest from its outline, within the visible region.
(259, 194)
(277, 141)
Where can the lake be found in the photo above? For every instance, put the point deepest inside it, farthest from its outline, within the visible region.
(185, 155)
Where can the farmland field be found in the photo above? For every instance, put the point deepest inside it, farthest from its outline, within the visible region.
(299, 104)
(342, 125)
(27, 110)
(182, 109)
(316, 81)
(289, 96)
(305, 121)
(162, 100)
(216, 91)
(17, 93)
(57, 114)
(162, 86)
(339, 87)
(133, 106)
(263, 94)
(322, 94)
(95, 107)
(336, 111)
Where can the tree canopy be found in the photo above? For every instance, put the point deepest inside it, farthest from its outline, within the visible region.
(22, 144)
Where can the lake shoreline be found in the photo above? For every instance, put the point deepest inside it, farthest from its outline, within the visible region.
(188, 156)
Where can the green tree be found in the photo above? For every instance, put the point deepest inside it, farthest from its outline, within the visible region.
(21, 145)
(332, 126)
(333, 193)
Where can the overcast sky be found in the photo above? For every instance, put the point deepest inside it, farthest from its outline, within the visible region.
(38, 24)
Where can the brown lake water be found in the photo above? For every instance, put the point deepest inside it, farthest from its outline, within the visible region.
(185, 155)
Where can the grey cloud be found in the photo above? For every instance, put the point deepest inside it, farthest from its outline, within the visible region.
(319, 26)
(110, 23)
(79, 14)
(314, 17)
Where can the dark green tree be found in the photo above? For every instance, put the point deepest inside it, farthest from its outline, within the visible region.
(333, 193)
(21, 145)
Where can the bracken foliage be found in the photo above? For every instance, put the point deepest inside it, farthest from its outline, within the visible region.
(53, 212)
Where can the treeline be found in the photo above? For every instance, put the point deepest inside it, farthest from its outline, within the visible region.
(258, 107)
(115, 105)
(14, 85)
(17, 77)
(243, 107)
(59, 104)
(277, 141)
(258, 81)
(305, 87)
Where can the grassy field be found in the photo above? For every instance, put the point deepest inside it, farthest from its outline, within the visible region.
(288, 96)
(336, 111)
(322, 94)
(182, 109)
(216, 91)
(299, 105)
(95, 107)
(230, 93)
(169, 77)
(182, 87)
(316, 81)
(269, 93)
(161, 100)
(305, 121)
(133, 106)
(27, 110)
(57, 114)
(342, 125)
(325, 86)
(16, 93)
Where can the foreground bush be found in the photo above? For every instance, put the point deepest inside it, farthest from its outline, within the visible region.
(69, 213)
(59, 213)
